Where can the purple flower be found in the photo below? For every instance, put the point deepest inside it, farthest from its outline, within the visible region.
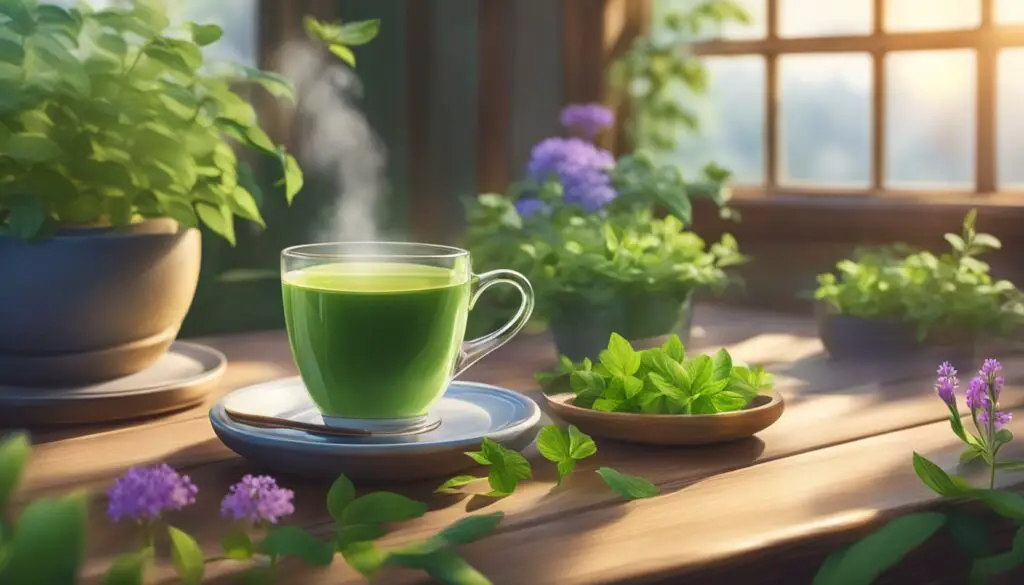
(977, 394)
(989, 369)
(1002, 419)
(587, 119)
(579, 166)
(529, 206)
(947, 383)
(143, 493)
(257, 499)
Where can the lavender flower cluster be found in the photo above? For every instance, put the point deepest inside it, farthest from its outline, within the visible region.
(577, 164)
(982, 395)
(144, 493)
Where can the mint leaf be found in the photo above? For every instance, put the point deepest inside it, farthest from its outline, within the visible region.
(667, 388)
(47, 525)
(358, 533)
(565, 447)
(632, 386)
(381, 508)
(186, 556)
(507, 468)
(581, 445)
(609, 405)
(628, 486)
(721, 365)
(451, 486)
(620, 359)
(479, 457)
(868, 558)
(340, 495)
(698, 372)
(444, 566)
(206, 34)
(364, 557)
(293, 541)
(673, 348)
(236, 544)
(14, 454)
(938, 480)
(469, 529)
(129, 569)
(553, 444)
(588, 387)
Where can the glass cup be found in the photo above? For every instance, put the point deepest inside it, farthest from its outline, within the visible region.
(376, 328)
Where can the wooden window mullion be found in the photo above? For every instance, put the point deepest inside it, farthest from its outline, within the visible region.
(771, 133)
(878, 113)
(985, 106)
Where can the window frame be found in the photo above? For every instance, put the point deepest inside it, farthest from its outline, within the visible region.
(988, 39)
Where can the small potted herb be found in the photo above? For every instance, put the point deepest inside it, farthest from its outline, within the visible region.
(117, 141)
(604, 242)
(661, 395)
(894, 300)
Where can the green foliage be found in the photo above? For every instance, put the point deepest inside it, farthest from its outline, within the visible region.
(14, 453)
(948, 292)
(660, 380)
(867, 559)
(111, 116)
(187, 556)
(577, 258)
(564, 447)
(44, 526)
(628, 486)
(506, 468)
(657, 65)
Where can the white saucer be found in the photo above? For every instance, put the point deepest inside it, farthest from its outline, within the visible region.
(468, 411)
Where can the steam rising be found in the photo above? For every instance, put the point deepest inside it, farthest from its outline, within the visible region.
(337, 142)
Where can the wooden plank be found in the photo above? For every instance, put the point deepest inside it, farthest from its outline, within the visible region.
(985, 106)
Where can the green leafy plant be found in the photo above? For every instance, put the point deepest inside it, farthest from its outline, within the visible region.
(113, 115)
(659, 380)
(657, 66)
(563, 447)
(952, 292)
(45, 544)
(866, 560)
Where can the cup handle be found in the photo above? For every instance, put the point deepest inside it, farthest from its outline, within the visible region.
(475, 349)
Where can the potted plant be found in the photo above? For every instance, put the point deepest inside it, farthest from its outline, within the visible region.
(116, 144)
(585, 230)
(894, 300)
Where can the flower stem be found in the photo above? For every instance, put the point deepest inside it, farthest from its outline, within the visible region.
(993, 449)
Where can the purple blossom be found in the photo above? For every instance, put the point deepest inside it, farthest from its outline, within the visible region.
(977, 394)
(990, 368)
(947, 383)
(1002, 419)
(257, 499)
(143, 493)
(529, 206)
(579, 166)
(587, 119)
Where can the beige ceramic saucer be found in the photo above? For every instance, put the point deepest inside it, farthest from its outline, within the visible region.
(670, 429)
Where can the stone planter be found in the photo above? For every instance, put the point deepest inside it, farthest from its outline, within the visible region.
(848, 337)
(581, 331)
(93, 304)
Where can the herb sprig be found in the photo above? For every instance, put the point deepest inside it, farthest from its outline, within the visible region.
(659, 380)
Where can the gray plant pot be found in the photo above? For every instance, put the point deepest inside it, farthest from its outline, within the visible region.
(93, 304)
(849, 337)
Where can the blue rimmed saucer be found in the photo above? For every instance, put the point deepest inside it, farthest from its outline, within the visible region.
(468, 412)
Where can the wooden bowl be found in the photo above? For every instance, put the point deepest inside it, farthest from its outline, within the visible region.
(671, 429)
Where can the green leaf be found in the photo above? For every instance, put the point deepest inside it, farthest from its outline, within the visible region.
(553, 444)
(628, 486)
(31, 148)
(206, 34)
(443, 566)
(292, 541)
(986, 568)
(868, 558)
(11, 52)
(987, 241)
(293, 179)
(451, 486)
(364, 557)
(45, 526)
(479, 457)
(129, 569)
(1006, 504)
(620, 359)
(186, 556)
(358, 33)
(507, 467)
(382, 508)
(970, 453)
(673, 348)
(938, 480)
(14, 453)
(699, 372)
(581, 445)
(956, 242)
(218, 219)
(827, 572)
(244, 205)
(970, 533)
(27, 217)
(470, 529)
(171, 57)
(340, 495)
(344, 53)
(721, 365)
(276, 85)
(21, 19)
(236, 544)
(247, 180)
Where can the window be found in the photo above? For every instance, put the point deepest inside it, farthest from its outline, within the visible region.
(865, 97)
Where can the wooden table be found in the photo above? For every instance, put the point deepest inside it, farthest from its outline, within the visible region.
(763, 510)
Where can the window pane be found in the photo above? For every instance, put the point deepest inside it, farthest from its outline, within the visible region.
(918, 15)
(731, 120)
(756, 29)
(1010, 119)
(819, 18)
(930, 125)
(825, 120)
(1010, 11)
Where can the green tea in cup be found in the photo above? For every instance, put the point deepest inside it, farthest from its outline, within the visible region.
(376, 329)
